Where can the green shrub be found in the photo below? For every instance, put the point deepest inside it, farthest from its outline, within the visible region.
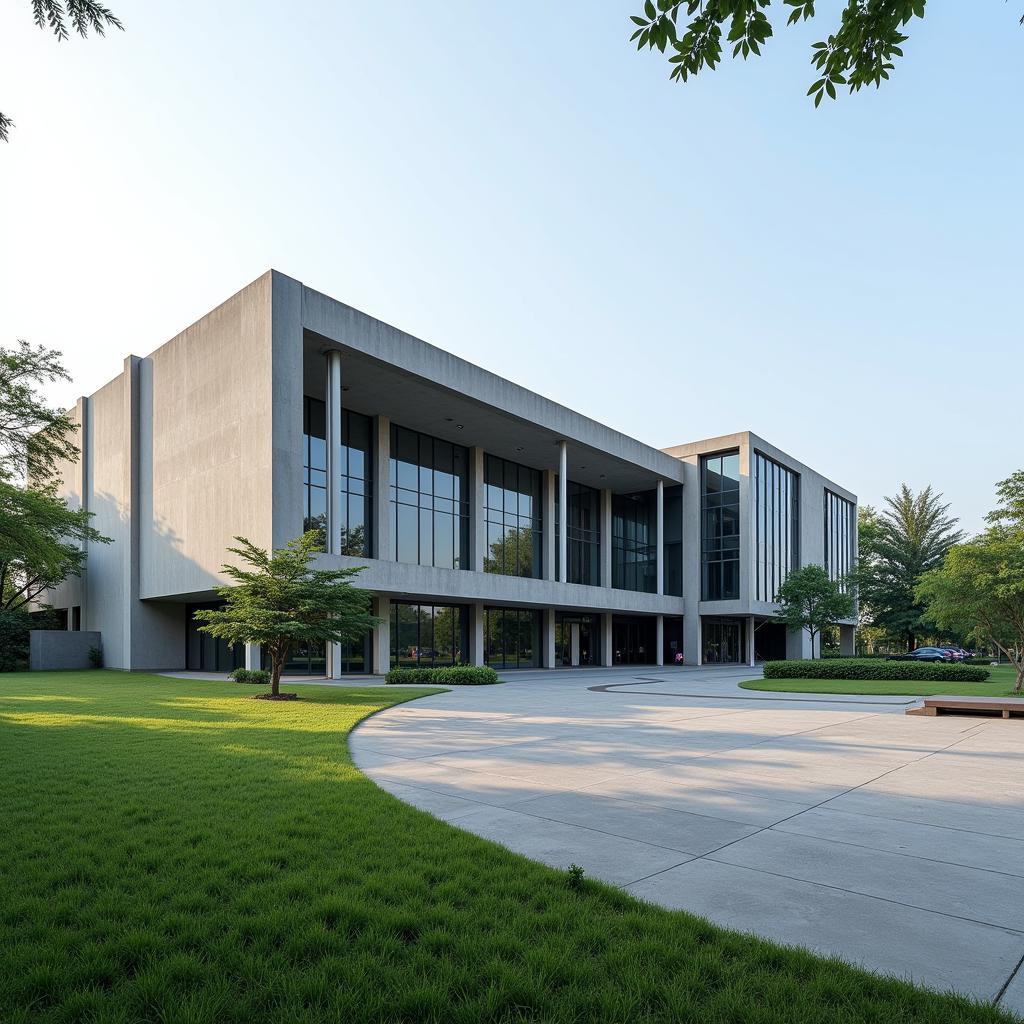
(874, 668)
(257, 676)
(456, 675)
(96, 657)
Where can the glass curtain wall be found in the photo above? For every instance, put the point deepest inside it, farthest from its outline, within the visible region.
(514, 510)
(720, 527)
(428, 635)
(429, 500)
(584, 541)
(674, 541)
(355, 483)
(634, 542)
(511, 637)
(840, 536)
(776, 525)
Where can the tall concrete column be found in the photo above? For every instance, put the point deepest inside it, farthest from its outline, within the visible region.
(659, 640)
(848, 641)
(478, 515)
(476, 633)
(606, 538)
(563, 513)
(334, 452)
(574, 644)
(548, 524)
(253, 657)
(548, 638)
(334, 474)
(383, 542)
(607, 654)
(382, 635)
(751, 649)
(660, 531)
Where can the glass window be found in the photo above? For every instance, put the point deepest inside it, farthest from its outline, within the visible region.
(776, 525)
(634, 544)
(355, 486)
(840, 536)
(583, 543)
(428, 487)
(720, 527)
(512, 637)
(512, 499)
(428, 635)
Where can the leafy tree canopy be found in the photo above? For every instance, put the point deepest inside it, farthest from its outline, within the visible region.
(979, 591)
(33, 436)
(808, 600)
(860, 51)
(42, 543)
(63, 17)
(897, 547)
(279, 601)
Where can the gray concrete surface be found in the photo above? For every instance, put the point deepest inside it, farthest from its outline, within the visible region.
(837, 823)
(53, 650)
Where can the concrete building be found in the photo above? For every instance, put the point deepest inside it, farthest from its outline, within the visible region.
(495, 525)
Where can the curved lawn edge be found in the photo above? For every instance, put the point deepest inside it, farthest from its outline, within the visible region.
(224, 858)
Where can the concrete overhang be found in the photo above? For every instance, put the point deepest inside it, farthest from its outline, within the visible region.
(388, 372)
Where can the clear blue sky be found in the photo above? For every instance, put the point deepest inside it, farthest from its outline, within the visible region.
(514, 183)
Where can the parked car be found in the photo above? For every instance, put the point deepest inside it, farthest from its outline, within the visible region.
(958, 652)
(924, 654)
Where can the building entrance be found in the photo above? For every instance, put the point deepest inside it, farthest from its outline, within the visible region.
(724, 641)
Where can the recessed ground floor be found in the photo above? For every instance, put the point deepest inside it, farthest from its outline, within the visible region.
(437, 633)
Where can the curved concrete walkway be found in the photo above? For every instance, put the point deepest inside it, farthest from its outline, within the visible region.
(832, 822)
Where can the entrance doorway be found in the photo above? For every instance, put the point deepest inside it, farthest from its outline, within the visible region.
(576, 638)
(724, 641)
(770, 641)
(633, 640)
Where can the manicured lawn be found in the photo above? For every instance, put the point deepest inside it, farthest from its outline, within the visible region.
(172, 851)
(999, 684)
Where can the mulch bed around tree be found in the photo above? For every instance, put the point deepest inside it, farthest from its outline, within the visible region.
(279, 696)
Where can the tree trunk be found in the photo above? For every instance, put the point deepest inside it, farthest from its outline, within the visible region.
(1020, 677)
(910, 642)
(276, 664)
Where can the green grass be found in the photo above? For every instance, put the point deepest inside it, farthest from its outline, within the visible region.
(174, 852)
(999, 684)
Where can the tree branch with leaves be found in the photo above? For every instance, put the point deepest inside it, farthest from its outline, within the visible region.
(810, 601)
(861, 51)
(62, 17)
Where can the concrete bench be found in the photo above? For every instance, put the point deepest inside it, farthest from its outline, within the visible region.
(1003, 707)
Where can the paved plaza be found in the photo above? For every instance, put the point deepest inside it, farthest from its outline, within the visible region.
(836, 822)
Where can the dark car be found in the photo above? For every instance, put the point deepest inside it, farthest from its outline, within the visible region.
(958, 653)
(924, 654)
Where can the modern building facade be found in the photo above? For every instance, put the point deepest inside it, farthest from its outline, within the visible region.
(495, 526)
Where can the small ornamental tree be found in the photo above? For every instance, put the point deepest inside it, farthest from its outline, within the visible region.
(280, 601)
(810, 601)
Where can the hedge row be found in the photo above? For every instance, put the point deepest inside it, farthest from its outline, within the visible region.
(456, 675)
(864, 668)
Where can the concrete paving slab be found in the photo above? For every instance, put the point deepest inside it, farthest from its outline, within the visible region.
(880, 828)
(916, 839)
(949, 889)
(921, 945)
(1013, 998)
(609, 858)
(661, 826)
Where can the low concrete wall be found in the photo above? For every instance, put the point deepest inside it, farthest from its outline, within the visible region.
(52, 649)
